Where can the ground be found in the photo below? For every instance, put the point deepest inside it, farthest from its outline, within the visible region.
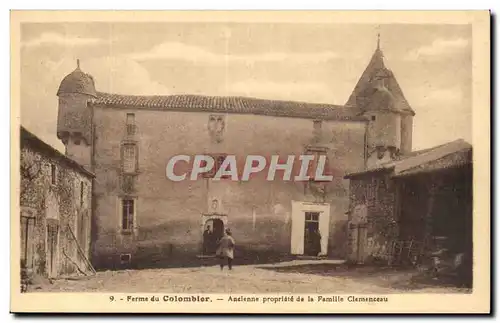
(295, 276)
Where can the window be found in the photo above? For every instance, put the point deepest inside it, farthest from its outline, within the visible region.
(372, 190)
(127, 214)
(312, 216)
(125, 258)
(313, 166)
(130, 124)
(82, 188)
(373, 118)
(129, 158)
(53, 174)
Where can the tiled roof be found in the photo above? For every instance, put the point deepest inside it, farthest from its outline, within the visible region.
(452, 154)
(230, 104)
(28, 138)
(434, 154)
(457, 159)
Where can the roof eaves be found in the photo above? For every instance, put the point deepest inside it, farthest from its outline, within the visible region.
(238, 105)
(28, 136)
(411, 172)
(369, 171)
(430, 155)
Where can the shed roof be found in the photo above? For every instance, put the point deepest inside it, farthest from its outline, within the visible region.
(452, 154)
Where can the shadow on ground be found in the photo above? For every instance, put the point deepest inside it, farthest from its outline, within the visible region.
(389, 277)
(156, 261)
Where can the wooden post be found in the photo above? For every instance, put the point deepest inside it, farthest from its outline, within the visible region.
(434, 186)
(396, 213)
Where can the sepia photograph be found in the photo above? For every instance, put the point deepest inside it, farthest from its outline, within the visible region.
(235, 157)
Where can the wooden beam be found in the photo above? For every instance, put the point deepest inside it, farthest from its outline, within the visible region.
(80, 251)
(435, 184)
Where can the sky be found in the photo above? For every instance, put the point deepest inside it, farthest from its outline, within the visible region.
(319, 63)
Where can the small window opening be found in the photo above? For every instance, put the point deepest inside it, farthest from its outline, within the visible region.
(53, 174)
(125, 258)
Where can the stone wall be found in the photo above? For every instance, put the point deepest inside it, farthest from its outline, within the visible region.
(377, 192)
(60, 203)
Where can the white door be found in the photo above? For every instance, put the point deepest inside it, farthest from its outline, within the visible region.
(299, 210)
(324, 230)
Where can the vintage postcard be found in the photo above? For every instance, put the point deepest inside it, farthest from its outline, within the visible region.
(250, 162)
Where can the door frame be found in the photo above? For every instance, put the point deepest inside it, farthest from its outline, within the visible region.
(29, 214)
(299, 208)
(358, 226)
(210, 216)
(316, 224)
(52, 271)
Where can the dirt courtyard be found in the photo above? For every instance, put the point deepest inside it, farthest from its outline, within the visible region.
(288, 277)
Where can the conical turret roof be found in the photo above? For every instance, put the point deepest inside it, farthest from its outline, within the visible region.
(77, 82)
(367, 84)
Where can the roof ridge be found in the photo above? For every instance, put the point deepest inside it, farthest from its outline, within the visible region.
(231, 104)
(374, 66)
(229, 97)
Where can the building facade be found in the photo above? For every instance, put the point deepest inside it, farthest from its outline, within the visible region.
(55, 201)
(144, 219)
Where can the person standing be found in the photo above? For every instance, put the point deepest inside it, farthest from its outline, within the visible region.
(207, 240)
(225, 250)
(316, 241)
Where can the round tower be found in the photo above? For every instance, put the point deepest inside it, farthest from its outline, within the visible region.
(74, 119)
(384, 127)
(378, 96)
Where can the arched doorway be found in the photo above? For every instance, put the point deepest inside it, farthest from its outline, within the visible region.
(212, 232)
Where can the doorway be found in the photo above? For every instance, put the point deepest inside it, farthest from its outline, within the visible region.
(307, 219)
(52, 237)
(312, 239)
(212, 232)
(358, 230)
(27, 241)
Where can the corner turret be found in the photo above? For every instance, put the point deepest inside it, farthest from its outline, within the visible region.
(74, 120)
(377, 96)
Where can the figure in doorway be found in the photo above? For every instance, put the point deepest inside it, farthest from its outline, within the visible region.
(316, 242)
(225, 250)
(207, 241)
